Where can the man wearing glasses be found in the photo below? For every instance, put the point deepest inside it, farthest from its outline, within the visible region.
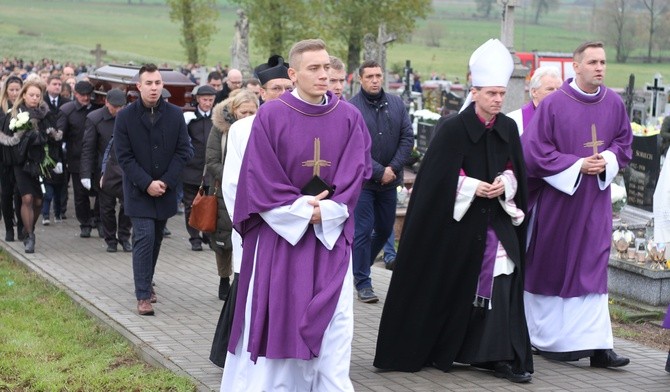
(233, 82)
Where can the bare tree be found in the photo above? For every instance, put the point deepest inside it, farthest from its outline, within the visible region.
(543, 7)
(655, 8)
(484, 7)
(617, 21)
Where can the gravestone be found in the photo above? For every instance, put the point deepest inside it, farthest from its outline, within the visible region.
(450, 103)
(424, 135)
(98, 52)
(656, 95)
(642, 172)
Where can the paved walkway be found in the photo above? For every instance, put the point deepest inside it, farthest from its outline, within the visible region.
(179, 336)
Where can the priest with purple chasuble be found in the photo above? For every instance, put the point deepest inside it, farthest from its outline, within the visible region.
(575, 144)
(294, 307)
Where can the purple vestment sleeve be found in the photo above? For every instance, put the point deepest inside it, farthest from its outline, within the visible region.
(295, 288)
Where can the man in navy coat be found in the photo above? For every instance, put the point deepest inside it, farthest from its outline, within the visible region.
(152, 147)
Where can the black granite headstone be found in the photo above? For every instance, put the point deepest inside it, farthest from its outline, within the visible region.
(424, 135)
(451, 103)
(642, 172)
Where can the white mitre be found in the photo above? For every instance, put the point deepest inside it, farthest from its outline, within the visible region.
(491, 65)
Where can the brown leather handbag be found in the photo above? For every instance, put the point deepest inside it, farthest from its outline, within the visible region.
(204, 209)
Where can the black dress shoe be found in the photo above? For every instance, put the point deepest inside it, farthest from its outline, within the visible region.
(504, 370)
(85, 232)
(111, 248)
(196, 246)
(29, 243)
(126, 245)
(224, 288)
(390, 265)
(607, 359)
(9, 236)
(166, 232)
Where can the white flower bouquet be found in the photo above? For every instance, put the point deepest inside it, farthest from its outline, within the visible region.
(427, 116)
(20, 123)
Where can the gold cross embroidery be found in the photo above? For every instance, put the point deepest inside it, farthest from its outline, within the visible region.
(317, 162)
(594, 140)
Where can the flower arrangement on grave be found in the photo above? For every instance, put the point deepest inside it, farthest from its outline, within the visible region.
(653, 127)
(427, 116)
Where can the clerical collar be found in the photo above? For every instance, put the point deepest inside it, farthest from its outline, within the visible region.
(324, 101)
(574, 85)
(373, 97)
(487, 124)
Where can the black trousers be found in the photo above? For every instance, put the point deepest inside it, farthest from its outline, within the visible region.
(112, 231)
(82, 203)
(190, 191)
(10, 201)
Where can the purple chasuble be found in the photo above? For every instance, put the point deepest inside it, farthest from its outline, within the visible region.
(569, 249)
(527, 112)
(295, 288)
(666, 321)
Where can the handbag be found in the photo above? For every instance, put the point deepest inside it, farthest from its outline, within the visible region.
(204, 209)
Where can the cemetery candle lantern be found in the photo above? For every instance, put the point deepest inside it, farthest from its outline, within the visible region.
(622, 238)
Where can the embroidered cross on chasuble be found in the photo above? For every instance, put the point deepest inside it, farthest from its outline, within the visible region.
(594, 140)
(317, 185)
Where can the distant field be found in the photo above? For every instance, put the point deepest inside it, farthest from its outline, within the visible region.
(69, 29)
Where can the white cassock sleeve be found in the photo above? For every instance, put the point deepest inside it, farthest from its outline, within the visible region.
(568, 180)
(291, 222)
(662, 204)
(465, 194)
(611, 169)
(236, 144)
(333, 216)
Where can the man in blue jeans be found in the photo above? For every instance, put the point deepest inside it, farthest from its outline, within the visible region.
(392, 141)
(152, 146)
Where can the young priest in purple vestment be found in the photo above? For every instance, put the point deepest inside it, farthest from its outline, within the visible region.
(577, 141)
(301, 175)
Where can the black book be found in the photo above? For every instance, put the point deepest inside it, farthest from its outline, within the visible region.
(315, 186)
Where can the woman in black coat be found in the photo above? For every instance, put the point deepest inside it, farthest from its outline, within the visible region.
(27, 156)
(10, 202)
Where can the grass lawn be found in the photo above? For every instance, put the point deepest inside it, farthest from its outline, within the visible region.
(48, 343)
(69, 29)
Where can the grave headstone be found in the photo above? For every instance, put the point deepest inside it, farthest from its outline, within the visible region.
(98, 52)
(424, 135)
(656, 94)
(642, 172)
(450, 103)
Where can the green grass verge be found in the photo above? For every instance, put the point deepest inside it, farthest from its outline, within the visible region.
(48, 343)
